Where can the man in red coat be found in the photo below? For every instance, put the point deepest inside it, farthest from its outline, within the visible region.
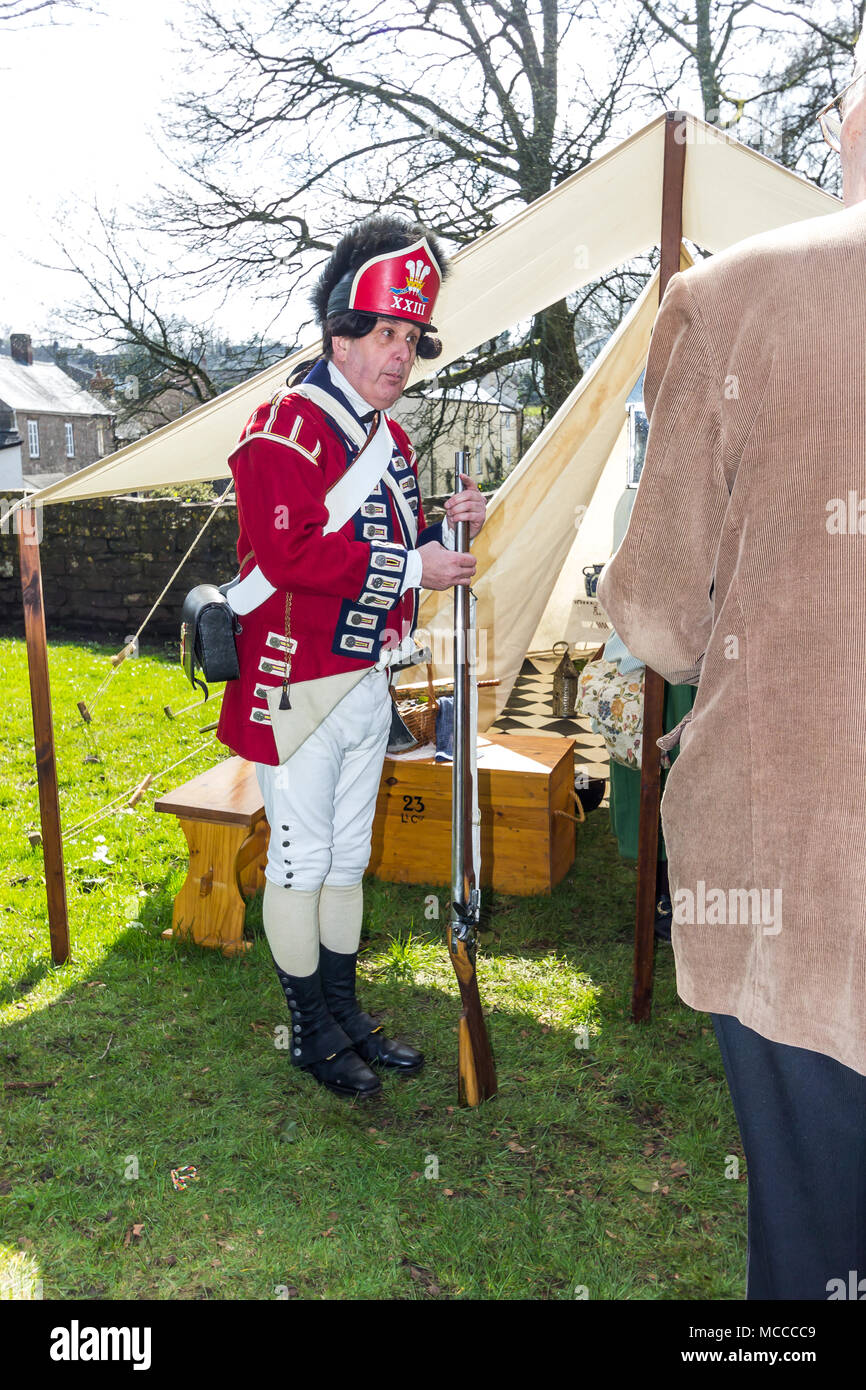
(334, 547)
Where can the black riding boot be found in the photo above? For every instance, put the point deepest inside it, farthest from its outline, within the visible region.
(338, 985)
(319, 1045)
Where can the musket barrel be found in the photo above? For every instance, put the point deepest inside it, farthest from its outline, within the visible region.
(476, 1069)
(461, 712)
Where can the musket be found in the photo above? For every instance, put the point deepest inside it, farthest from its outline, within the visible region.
(476, 1070)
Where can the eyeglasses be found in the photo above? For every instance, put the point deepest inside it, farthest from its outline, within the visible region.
(831, 116)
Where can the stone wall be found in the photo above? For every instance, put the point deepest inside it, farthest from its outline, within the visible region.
(104, 562)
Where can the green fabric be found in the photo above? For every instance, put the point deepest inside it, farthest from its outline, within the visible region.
(625, 781)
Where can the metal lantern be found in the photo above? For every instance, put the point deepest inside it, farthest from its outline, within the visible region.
(565, 682)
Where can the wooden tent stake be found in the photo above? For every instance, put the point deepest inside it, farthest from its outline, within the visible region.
(43, 732)
(654, 686)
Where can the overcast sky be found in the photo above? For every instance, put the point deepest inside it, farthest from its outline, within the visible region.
(78, 103)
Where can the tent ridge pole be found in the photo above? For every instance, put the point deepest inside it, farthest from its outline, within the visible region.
(673, 174)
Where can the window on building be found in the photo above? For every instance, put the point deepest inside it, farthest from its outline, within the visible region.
(100, 440)
(508, 456)
(33, 438)
(70, 442)
(478, 460)
(508, 422)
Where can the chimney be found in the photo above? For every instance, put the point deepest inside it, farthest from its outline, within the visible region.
(22, 350)
(104, 385)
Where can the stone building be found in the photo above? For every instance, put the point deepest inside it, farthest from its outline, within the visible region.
(489, 428)
(61, 426)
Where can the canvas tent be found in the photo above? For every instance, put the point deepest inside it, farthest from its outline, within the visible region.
(593, 222)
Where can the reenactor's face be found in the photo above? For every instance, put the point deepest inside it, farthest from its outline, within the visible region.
(378, 365)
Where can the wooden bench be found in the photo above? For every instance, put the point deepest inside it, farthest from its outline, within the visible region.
(222, 815)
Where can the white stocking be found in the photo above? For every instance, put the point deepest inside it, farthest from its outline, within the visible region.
(291, 923)
(340, 914)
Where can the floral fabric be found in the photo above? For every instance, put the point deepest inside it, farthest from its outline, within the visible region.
(613, 703)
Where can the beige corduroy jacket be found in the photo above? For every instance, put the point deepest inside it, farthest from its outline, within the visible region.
(744, 568)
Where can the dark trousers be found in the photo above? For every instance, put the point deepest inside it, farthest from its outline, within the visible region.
(802, 1120)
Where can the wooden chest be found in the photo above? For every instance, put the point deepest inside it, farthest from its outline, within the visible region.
(522, 780)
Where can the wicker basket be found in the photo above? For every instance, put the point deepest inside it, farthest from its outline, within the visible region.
(418, 713)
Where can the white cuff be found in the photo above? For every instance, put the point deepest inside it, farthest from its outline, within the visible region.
(412, 577)
(449, 537)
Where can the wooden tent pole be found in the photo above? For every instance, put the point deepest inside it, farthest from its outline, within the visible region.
(43, 732)
(654, 685)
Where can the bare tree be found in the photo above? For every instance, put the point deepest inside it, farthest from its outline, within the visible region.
(302, 114)
(455, 112)
(12, 11)
(763, 69)
(458, 112)
(121, 307)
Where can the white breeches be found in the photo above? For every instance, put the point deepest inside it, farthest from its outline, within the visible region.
(320, 804)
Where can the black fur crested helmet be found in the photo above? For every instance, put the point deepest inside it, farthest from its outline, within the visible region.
(384, 267)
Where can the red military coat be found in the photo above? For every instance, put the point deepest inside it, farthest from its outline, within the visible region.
(344, 588)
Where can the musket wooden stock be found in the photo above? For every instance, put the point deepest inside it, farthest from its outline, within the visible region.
(475, 1065)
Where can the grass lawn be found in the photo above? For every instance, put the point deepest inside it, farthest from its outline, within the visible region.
(600, 1170)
